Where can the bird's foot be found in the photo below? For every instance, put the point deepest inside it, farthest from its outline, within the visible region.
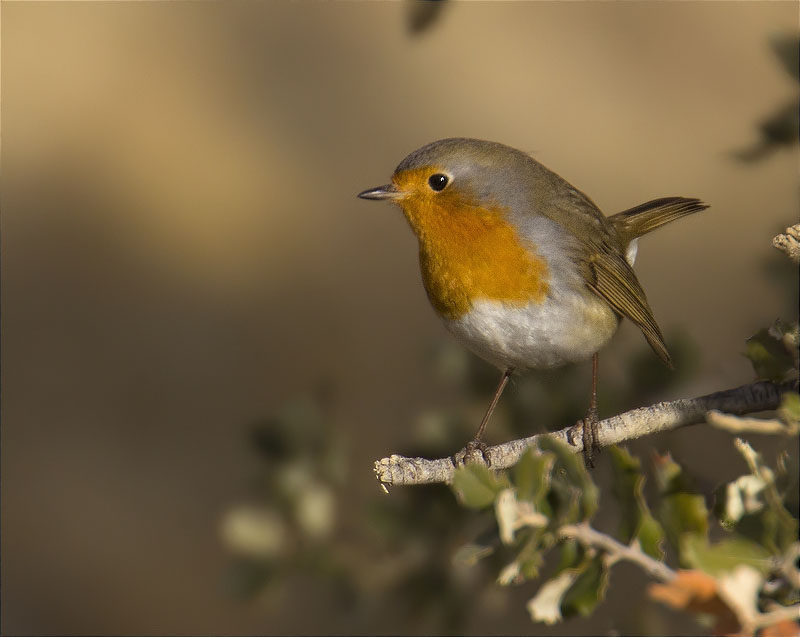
(474, 451)
(587, 428)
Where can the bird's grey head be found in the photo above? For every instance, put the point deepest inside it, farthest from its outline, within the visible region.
(487, 171)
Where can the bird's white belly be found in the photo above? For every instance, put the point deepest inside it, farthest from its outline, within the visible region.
(568, 328)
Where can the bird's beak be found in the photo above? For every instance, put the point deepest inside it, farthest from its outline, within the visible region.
(389, 191)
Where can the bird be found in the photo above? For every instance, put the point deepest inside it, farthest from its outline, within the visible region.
(523, 268)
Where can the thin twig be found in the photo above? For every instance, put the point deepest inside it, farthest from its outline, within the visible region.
(665, 416)
(775, 616)
(587, 536)
(750, 621)
(737, 424)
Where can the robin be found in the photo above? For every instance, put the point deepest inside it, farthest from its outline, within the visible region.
(523, 268)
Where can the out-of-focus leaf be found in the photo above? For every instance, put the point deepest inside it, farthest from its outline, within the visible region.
(476, 486)
(781, 127)
(549, 604)
(270, 439)
(768, 529)
(531, 558)
(588, 589)
(471, 554)
(572, 553)
(506, 510)
(680, 510)
(570, 471)
(785, 628)
(697, 592)
(510, 574)
(246, 578)
(627, 488)
(787, 49)
(739, 588)
(564, 501)
(513, 514)
(422, 14)
(682, 513)
(651, 536)
(256, 532)
(545, 606)
(769, 357)
(773, 526)
(737, 498)
(789, 411)
(787, 478)
(636, 521)
(531, 476)
(725, 555)
(315, 511)
(670, 478)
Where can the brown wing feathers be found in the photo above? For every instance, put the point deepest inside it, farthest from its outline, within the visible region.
(615, 281)
(611, 277)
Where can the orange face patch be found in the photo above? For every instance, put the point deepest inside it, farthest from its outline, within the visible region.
(468, 251)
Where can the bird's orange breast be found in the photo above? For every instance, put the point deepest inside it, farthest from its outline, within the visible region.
(470, 252)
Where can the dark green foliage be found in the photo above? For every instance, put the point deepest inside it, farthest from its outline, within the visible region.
(476, 486)
(635, 520)
(772, 358)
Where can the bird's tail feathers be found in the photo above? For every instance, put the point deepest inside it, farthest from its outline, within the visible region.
(646, 217)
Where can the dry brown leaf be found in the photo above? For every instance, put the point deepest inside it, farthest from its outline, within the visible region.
(696, 592)
(785, 628)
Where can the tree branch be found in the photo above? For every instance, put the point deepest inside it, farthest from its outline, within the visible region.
(739, 425)
(789, 242)
(665, 416)
(587, 536)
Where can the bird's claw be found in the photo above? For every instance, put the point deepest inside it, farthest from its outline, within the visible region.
(474, 451)
(587, 428)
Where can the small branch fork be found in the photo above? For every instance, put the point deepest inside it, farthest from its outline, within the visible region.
(750, 619)
(665, 416)
(587, 536)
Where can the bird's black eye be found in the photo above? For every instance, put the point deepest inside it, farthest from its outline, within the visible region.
(438, 181)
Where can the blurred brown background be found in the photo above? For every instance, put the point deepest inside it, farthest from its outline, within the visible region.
(182, 251)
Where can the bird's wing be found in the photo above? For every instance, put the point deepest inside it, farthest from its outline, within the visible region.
(605, 270)
(609, 275)
(599, 249)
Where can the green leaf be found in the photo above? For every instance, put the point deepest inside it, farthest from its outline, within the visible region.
(636, 521)
(789, 411)
(530, 558)
(627, 487)
(571, 554)
(476, 487)
(787, 479)
(773, 526)
(682, 513)
(670, 477)
(680, 510)
(768, 355)
(651, 535)
(588, 589)
(725, 555)
(570, 473)
(531, 476)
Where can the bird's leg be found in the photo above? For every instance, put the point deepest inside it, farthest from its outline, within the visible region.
(497, 393)
(589, 424)
(476, 444)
